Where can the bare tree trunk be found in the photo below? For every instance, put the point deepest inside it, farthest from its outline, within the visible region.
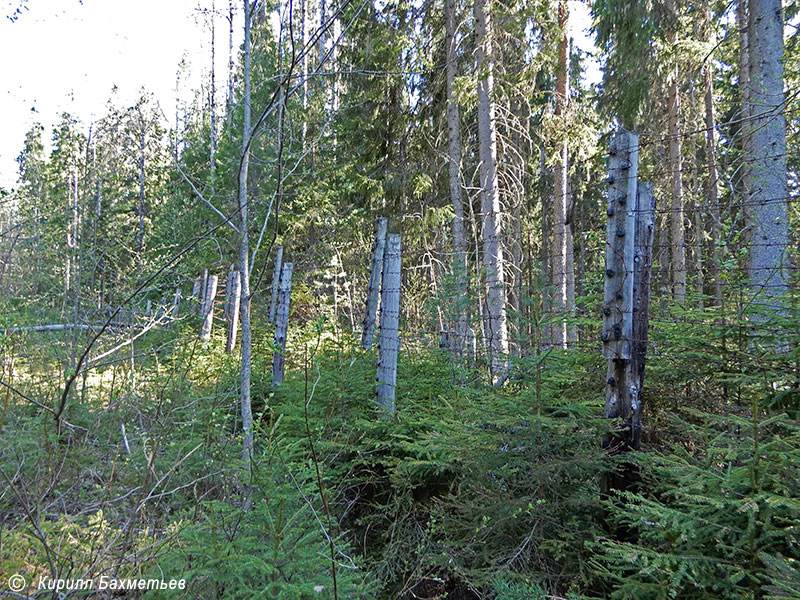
(282, 323)
(229, 100)
(562, 276)
(376, 266)
(460, 316)
(677, 229)
(233, 311)
(244, 248)
(276, 279)
(712, 182)
(742, 11)
(142, 141)
(768, 176)
(389, 341)
(208, 309)
(545, 255)
(303, 40)
(212, 151)
(496, 322)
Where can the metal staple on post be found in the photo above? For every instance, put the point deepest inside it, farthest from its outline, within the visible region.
(389, 339)
(281, 323)
(629, 244)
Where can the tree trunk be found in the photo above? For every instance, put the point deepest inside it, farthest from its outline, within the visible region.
(212, 150)
(389, 341)
(142, 139)
(545, 254)
(677, 229)
(233, 310)
(376, 266)
(229, 100)
(282, 323)
(563, 275)
(303, 40)
(460, 314)
(244, 248)
(712, 182)
(742, 12)
(767, 174)
(496, 321)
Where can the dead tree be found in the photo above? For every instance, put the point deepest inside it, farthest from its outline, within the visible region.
(389, 339)
(281, 323)
(626, 304)
(378, 245)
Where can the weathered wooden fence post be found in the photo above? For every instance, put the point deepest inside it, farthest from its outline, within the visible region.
(629, 246)
(201, 309)
(281, 323)
(226, 307)
(276, 279)
(208, 308)
(195, 308)
(234, 300)
(389, 339)
(176, 305)
(378, 244)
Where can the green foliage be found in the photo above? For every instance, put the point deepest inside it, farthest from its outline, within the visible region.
(718, 514)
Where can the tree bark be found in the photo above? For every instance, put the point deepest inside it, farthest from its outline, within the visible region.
(233, 310)
(742, 12)
(563, 274)
(460, 315)
(712, 181)
(677, 229)
(244, 248)
(212, 150)
(496, 320)
(142, 141)
(767, 174)
(229, 99)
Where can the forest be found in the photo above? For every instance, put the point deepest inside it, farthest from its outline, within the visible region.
(404, 305)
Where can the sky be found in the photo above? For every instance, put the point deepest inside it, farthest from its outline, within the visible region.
(67, 55)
